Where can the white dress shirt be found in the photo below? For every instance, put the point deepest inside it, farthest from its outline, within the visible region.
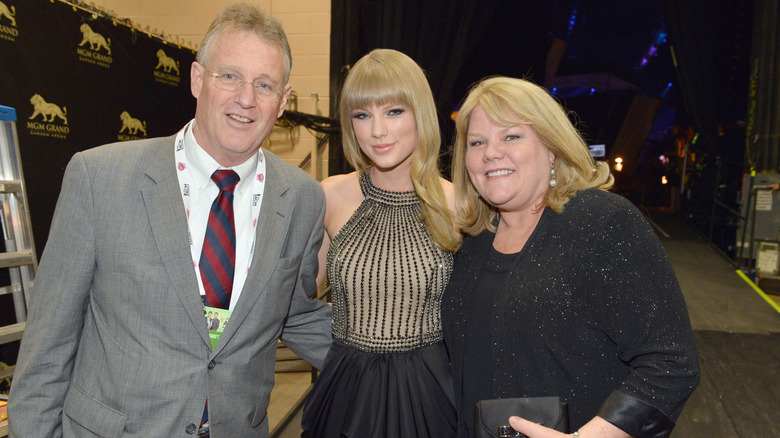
(203, 191)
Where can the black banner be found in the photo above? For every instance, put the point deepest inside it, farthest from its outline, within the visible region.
(79, 80)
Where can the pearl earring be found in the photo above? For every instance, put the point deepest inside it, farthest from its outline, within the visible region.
(553, 182)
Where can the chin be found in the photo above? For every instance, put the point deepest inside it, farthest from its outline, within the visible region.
(498, 201)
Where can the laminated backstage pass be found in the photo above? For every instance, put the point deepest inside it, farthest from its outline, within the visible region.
(215, 320)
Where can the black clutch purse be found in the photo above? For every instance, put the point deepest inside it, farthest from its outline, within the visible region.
(490, 414)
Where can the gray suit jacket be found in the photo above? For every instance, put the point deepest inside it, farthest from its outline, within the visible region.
(116, 343)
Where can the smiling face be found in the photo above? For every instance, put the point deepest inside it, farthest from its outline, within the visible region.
(231, 125)
(387, 134)
(508, 166)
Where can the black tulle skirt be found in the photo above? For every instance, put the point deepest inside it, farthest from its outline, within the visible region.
(382, 395)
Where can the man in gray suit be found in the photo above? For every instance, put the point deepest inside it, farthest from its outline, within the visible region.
(115, 344)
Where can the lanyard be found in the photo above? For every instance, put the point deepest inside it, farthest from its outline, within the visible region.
(185, 182)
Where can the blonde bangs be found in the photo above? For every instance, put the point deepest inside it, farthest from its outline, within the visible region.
(375, 85)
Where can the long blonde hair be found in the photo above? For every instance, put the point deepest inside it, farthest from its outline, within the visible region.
(387, 76)
(509, 102)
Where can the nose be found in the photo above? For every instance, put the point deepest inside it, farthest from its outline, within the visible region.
(245, 95)
(378, 127)
(493, 150)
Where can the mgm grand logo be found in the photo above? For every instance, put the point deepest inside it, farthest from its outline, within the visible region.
(167, 69)
(132, 129)
(48, 112)
(97, 44)
(8, 30)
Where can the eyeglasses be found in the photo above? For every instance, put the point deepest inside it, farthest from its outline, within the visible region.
(232, 82)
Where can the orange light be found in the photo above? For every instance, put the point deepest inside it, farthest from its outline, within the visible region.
(618, 164)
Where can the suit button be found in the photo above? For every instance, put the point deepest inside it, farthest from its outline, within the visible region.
(212, 364)
(191, 428)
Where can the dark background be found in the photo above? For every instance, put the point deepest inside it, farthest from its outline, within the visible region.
(44, 60)
(41, 54)
(644, 78)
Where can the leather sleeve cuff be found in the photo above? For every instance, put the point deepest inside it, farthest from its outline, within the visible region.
(635, 417)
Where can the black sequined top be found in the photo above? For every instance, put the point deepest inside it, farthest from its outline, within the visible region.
(387, 275)
(590, 311)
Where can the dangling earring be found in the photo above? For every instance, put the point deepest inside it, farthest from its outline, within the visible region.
(553, 182)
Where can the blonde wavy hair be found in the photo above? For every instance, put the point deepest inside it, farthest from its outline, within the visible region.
(510, 102)
(385, 76)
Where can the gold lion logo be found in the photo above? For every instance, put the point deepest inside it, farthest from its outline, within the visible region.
(166, 62)
(8, 13)
(44, 109)
(95, 40)
(131, 125)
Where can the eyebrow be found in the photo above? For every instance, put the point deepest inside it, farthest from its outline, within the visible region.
(236, 70)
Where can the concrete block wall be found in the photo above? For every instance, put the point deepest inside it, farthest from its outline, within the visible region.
(307, 24)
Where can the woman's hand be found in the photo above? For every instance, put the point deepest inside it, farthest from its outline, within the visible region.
(533, 430)
(597, 427)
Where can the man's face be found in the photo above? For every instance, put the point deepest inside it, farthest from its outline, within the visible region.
(231, 125)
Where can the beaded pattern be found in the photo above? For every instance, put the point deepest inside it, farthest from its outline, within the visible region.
(387, 275)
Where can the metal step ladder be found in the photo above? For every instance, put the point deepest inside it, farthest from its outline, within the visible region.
(19, 257)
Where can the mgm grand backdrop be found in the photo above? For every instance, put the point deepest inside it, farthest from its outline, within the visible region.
(78, 79)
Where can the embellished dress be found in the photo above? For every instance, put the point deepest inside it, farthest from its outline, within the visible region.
(387, 373)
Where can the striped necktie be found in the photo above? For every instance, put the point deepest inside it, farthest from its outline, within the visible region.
(218, 258)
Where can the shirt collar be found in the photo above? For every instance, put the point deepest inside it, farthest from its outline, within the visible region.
(202, 165)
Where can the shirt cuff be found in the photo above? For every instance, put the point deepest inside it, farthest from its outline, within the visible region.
(635, 417)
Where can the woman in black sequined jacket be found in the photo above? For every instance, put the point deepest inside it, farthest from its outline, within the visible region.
(562, 288)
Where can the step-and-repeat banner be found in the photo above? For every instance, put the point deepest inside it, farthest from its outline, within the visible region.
(78, 80)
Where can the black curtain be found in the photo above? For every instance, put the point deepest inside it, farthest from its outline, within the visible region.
(711, 46)
(763, 142)
(692, 26)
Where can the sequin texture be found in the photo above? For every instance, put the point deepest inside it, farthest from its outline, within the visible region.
(590, 306)
(387, 275)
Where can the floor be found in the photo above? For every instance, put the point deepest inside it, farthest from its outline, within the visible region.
(292, 385)
(737, 333)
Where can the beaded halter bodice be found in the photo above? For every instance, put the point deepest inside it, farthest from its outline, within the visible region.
(387, 275)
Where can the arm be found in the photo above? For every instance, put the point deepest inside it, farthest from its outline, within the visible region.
(642, 309)
(59, 302)
(322, 272)
(307, 329)
(449, 195)
(342, 198)
(596, 428)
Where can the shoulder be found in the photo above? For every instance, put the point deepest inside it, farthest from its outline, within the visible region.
(449, 193)
(595, 212)
(128, 149)
(278, 169)
(476, 244)
(600, 203)
(129, 159)
(276, 164)
(342, 197)
(344, 186)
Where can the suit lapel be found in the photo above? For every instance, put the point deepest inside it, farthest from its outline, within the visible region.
(169, 226)
(272, 226)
